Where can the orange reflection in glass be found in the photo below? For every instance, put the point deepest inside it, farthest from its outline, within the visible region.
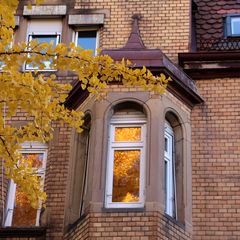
(127, 134)
(35, 160)
(126, 176)
(23, 214)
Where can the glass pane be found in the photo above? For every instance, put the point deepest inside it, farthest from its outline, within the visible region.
(127, 134)
(45, 38)
(23, 214)
(35, 159)
(87, 40)
(41, 39)
(166, 144)
(126, 176)
(236, 25)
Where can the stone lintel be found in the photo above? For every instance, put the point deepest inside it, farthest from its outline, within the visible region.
(86, 19)
(46, 10)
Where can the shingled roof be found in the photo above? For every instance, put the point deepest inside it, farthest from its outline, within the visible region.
(210, 17)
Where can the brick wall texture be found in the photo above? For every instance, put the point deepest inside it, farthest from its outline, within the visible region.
(161, 26)
(215, 161)
(127, 226)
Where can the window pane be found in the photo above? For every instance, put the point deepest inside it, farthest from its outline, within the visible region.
(23, 214)
(126, 175)
(165, 144)
(35, 159)
(45, 38)
(235, 25)
(127, 134)
(87, 40)
(41, 39)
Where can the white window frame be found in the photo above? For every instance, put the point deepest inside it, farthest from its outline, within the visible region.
(169, 172)
(234, 19)
(29, 38)
(112, 145)
(75, 36)
(29, 147)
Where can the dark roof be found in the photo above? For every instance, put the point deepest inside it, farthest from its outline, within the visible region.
(154, 59)
(210, 17)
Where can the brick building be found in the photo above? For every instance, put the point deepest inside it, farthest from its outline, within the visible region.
(147, 166)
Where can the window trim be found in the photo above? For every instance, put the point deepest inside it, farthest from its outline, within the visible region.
(28, 147)
(29, 38)
(125, 122)
(170, 178)
(228, 25)
(77, 30)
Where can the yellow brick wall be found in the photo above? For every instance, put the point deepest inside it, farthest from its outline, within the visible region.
(164, 24)
(215, 161)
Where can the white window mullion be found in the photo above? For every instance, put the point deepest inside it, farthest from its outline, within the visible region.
(10, 203)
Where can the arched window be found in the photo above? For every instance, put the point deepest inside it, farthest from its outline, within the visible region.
(79, 172)
(169, 171)
(173, 170)
(125, 181)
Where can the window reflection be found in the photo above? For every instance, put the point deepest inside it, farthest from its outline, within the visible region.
(127, 134)
(87, 40)
(126, 176)
(23, 214)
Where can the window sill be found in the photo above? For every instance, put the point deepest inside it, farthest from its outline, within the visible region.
(173, 220)
(123, 210)
(28, 232)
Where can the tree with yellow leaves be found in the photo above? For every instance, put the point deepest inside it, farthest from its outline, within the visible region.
(41, 98)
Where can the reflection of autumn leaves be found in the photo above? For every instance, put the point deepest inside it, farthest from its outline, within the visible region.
(24, 214)
(127, 134)
(33, 160)
(125, 162)
(126, 176)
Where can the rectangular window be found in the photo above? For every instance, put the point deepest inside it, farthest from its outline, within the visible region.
(19, 212)
(169, 172)
(87, 40)
(126, 159)
(232, 25)
(40, 37)
(44, 30)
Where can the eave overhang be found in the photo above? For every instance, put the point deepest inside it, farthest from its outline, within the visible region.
(155, 60)
(206, 65)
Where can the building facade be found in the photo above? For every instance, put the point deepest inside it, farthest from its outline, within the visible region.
(146, 166)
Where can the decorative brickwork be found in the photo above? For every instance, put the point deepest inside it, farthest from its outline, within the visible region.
(215, 159)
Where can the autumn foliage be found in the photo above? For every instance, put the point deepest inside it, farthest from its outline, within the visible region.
(41, 98)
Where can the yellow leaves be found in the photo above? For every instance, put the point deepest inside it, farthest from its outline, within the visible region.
(39, 99)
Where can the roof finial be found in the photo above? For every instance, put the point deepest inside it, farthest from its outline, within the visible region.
(134, 40)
